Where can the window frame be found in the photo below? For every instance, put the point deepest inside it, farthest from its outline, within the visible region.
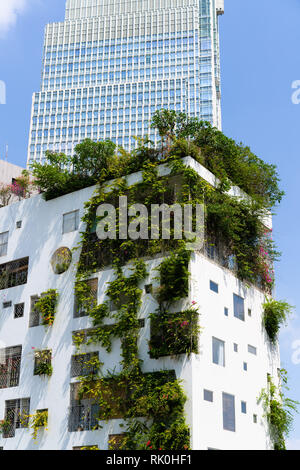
(4, 244)
(75, 213)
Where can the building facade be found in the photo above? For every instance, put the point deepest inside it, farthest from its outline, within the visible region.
(9, 171)
(222, 382)
(110, 65)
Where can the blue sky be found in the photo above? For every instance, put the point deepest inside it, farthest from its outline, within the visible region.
(260, 60)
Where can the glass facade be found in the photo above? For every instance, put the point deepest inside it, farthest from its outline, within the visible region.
(110, 65)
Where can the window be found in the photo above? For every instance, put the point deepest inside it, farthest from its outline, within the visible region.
(42, 362)
(116, 441)
(80, 364)
(235, 347)
(19, 310)
(16, 412)
(254, 419)
(14, 273)
(208, 395)
(34, 319)
(10, 364)
(70, 221)
(7, 304)
(228, 412)
(238, 306)
(91, 294)
(214, 287)
(245, 366)
(218, 350)
(3, 243)
(249, 312)
(148, 289)
(243, 407)
(19, 224)
(252, 349)
(226, 311)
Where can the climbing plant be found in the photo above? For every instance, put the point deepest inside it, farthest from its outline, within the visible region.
(35, 421)
(278, 410)
(46, 306)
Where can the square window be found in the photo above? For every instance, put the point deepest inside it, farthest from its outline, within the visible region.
(238, 307)
(252, 350)
(218, 351)
(208, 395)
(3, 243)
(214, 287)
(7, 304)
(19, 310)
(235, 347)
(226, 311)
(71, 221)
(245, 366)
(244, 407)
(19, 224)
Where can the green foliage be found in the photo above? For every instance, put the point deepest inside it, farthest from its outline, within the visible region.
(174, 276)
(43, 364)
(35, 421)
(275, 314)
(181, 136)
(46, 306)
(5, 426)
(278, 411)
(174, 333)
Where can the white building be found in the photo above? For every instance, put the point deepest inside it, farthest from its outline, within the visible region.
(9, 171)
(110, 65)
(222, 382)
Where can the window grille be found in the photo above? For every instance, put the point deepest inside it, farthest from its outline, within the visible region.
(3, 243)
(79, 366)
(79, 310)
(14, 273)
(10, 364)
(16, 414)
(19, 310)
(34, 319)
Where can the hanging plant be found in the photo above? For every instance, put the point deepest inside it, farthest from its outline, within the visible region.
(46, 306)
(275, 314)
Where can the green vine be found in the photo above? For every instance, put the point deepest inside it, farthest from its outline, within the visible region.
(36, 421)
(46, 306)
(278, 411)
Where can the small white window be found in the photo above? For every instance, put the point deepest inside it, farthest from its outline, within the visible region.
(70, 221)
(208, 396)
(3, 243)
(252, 350)
(218, 350)
(214, 286)
(244, 407)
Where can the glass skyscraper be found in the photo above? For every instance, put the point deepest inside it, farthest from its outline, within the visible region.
(112, 63)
